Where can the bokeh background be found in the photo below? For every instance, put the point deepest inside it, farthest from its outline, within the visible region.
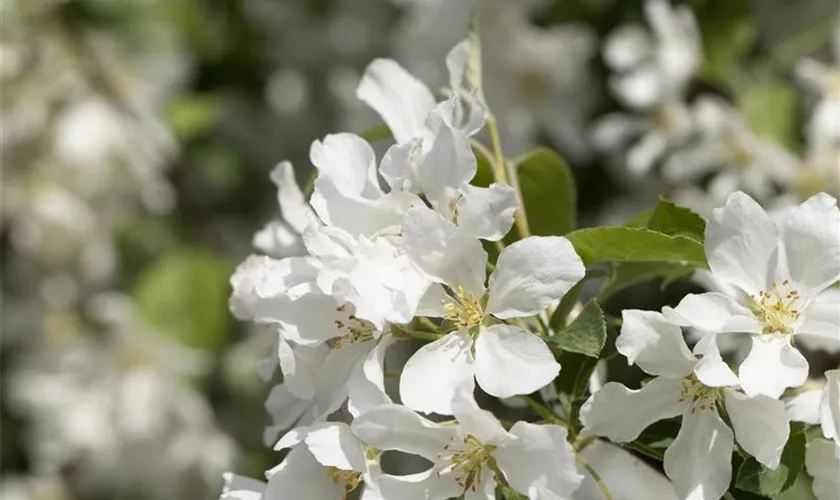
(137, 137)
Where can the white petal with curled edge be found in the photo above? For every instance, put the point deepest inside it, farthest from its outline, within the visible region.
(541, 463)
(772, 366)
(293, 206)
(711, 370)
(238, 487)
(510, 361)
(300, 476)
(447, 253)
(712, 312)
(532, 273)
(299, 364)
(331, 379)
(475, 421)
(349, 162)
(805, 407)
(259, 282)
(446, 167)
(435, 372)
(358, 216)
(401, 100)
(366, 386)
(823, 463)
(333, 444)
(820, 323)
(811, 238)
(621, 414)
(742, 244)
(761, 425)
(394, 427)
(456, 62)
(285, 409)
(397, 167)
(830, 406)
(487, 213)
(424, 485)
(654, 344)
(698, 462)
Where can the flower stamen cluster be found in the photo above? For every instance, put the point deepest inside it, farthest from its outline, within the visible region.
(348, 478)
(469, 457)
(701, 396)
(775, 311)
(465, 311)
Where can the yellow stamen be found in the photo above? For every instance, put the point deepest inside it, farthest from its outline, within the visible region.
(465, 311)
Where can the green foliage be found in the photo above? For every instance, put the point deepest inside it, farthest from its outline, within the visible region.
(377, 133)
(587, 333)
(756, 478)
(549, 194)
(184, 295)
(635, 244)
(193, 115)
(670, 218)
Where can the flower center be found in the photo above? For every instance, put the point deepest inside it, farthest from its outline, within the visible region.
(464, 311)
(352, 329)
(350, 480)
(468, 458)
(775, 311)
(700, 396)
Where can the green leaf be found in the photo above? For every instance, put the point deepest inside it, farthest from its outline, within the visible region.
(484, 171)
(549, 194)
(770, 109)
(508, 493)
(587, 333)
(756, 478)
(184, 295)
(376, 133)
(627, 274)
(670, 218)
(641, 219)
(635, 244)
(573, 386)
(558, 318)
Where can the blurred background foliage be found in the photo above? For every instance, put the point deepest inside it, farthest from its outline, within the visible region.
(137, 137)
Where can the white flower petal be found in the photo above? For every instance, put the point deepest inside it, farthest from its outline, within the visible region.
(260, 282)
(811, 238)
(435, 372)
(627, 476)
(299, 365)
(456, 62)
(510, 361)
(446, 167)
(712, 312)
(400, 99)
(421, 486)
(447, 253)
(300, 476)
(830, 406)
(532, 273)
(654, 344)
(358, 216)
(397, 165)
(331, 379)
(761, 425)
(333, 444)
(285, 409)
(621, 414)
(487, 213)
(771, 366)
(238, 487)
(742, 244)
(823, 463)
(349, 162)
(366, 387)
(820, 323)
(805, 407)
(711, 370)
(393, 427)
(292, 203)
(541, 463)
(698, 462)
(475, 421)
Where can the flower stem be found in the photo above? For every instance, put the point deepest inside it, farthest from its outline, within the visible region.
(401, 330)
(600, 482)
(544, 411)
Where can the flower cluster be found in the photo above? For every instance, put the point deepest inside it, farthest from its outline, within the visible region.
(408, 247)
